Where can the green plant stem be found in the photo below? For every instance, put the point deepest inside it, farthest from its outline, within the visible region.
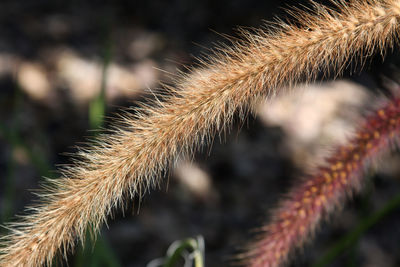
(348, 240)
(191, 244)
(100, 254)
(97, 105)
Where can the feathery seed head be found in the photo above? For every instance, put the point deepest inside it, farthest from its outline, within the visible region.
(316, 196)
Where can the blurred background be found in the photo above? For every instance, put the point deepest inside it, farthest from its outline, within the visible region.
(66, 65)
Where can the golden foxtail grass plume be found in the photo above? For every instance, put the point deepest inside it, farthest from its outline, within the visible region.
(202, 102)
(317, 195)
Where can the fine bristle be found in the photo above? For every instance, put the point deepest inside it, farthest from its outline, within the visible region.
(202, 102)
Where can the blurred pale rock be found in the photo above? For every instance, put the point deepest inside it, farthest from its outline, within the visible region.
(143, 44)
(316, 116)
(33, 80)
(124, 82)
(196, 180)
(84, 77)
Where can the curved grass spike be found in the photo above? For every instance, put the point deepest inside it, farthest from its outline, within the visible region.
(316, 196)
(202, 102)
